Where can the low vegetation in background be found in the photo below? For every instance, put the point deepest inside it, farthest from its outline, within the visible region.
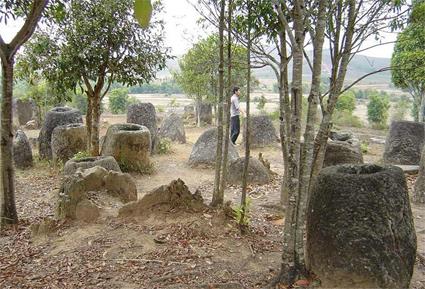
(364, 146)
(401, 108)
(163, 146)
(344, 108)
(166, 87)
(119, 100)
(345, 118)
(377, 110)
(261, 102)
(81, 155)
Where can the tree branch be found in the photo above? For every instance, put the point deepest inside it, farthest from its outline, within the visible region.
(29, 26)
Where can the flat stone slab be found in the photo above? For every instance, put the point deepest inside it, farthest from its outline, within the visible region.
(409, 169)
(377, 140)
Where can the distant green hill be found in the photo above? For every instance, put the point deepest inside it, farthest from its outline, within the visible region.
(359, 66)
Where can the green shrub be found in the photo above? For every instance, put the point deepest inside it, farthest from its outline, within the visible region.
(237, 213)
(81, 155)
(364, 146)
(173, 102)
(401, 108)
(160, 108)
(261, 102)
(163, 146)
(275, 114)
(345, 118)
(346, 102)
(377, 110)
(119, 100)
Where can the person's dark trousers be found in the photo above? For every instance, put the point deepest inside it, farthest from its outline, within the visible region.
(234, 128)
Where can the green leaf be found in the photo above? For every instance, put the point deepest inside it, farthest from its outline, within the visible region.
(143, 12)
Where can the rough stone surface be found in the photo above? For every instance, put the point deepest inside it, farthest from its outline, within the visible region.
(173, 128)
(87, 211)
(340, 136)
(24, 109)
(106, 162)
(97, 179)
(55, 117)
(33, 142)
(130, 145)
(144, 114)
(343, 152)
(167, 197)
(360, 231)
(31, 125)
(257, 172)
(189, 111)
(205, 149)
(67, 140)
(261, 131)
(22, 153)
(404, 143)
(419, 189)
(204, 112)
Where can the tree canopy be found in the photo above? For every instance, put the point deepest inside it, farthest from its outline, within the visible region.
(408, 59)
(98, 42)
(198, 76)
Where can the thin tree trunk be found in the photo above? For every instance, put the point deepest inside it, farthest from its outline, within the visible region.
(422, 109)
(228, 102)
(247, 122)
(8, 212)
(285, 116)
(89, 120)
(292, 266)
(94, 147)
(308, 148)
(217, 199)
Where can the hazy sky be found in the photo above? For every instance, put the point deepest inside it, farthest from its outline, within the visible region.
(182, 30)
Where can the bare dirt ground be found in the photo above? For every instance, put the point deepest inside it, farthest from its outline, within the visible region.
(174, 249)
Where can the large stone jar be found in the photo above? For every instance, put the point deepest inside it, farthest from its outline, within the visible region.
(144, 114)
(55, 117)
(360, 231)
(404, 143)
(130, 145)
(67, 140)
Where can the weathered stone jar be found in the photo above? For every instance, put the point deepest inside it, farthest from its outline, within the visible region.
(360, 231)
(67, 140)
(404, 143)
(205, 149)
(55, 117)
(144, 114)
(261, 130)
(130, 145)
(108, 163)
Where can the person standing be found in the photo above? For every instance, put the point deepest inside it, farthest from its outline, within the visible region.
(235, 111)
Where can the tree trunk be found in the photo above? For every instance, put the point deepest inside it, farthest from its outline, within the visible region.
(89, 120)
(94, 147)
(308, 147)
(8, 212)
(217, 200)
(198, 112)
(285, 115)
(242, 222)
(228, 102)
(292, 264)
(422, 109)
